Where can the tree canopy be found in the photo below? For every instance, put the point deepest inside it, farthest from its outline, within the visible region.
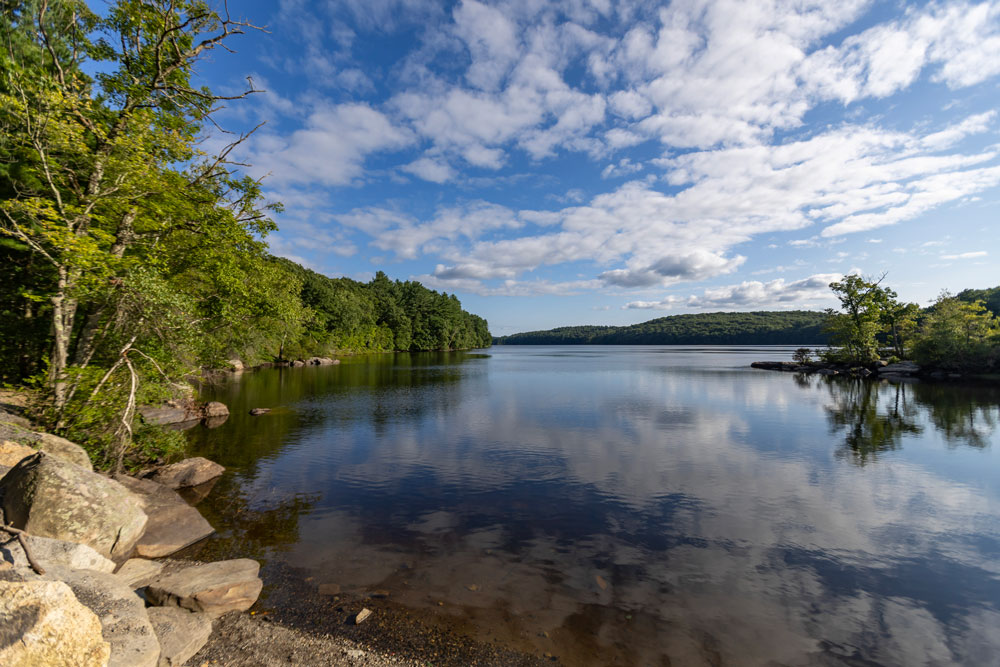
(129, 256)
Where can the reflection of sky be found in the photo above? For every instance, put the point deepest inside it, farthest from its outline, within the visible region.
(708, 495)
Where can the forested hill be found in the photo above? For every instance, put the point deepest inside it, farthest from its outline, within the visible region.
(380, 315)
(795, 327)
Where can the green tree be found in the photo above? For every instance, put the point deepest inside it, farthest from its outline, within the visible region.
(855, 330)
(146, 255)
(957, 333)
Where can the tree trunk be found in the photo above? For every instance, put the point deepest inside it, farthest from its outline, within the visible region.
(63, 316)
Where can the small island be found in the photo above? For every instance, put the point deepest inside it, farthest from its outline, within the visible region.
(875, 335)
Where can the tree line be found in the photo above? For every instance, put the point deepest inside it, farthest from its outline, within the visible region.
(130, 256)
(750, 328)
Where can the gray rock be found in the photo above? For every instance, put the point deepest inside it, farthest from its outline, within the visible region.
(189, 472)
(236, 365)
(49, 552)
(48, 497)
(182, 633)
(215, 409)
(256, 412)
(42, 623)
(19, 434)
(902, 368)
(212, 588)
(167, 414)
(124, 621)
(172, 525)
(13, 418)
(138, 572)
(65, 450)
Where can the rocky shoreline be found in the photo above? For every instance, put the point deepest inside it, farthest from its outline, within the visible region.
(85, 578)
(880, 370)
(78, 583)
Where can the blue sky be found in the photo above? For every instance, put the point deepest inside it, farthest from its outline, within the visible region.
(610, 162)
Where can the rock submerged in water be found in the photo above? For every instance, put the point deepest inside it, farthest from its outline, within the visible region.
(211, 588)
(49, 497)
(189, 472)
(42, 623)
(256, 412)
(184, 412)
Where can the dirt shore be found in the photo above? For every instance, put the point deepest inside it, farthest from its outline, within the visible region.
(293, 624)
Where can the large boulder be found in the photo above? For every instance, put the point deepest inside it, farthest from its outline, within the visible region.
(172, 525)
(49, 552)
(212, 588)
(49, 497)
(182, 633)
(28, 442)
(64, 449)
(42, 623)
(124, 621)
(189, 472)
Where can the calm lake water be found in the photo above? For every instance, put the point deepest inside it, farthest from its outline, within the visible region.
(642, 505)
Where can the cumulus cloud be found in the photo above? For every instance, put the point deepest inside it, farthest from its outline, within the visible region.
(431, 170)
(720, 89)
(331, 148)
(752, 294)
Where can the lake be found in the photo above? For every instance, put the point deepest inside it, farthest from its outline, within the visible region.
(634, 505)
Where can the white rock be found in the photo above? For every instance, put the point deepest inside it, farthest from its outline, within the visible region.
(42, 623)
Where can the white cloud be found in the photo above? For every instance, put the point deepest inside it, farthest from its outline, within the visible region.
(777, 293)
(431, 170)
(331, 148)
(966, 255)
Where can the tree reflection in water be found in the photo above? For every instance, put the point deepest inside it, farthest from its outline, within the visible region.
(874, 416)
(964, 414)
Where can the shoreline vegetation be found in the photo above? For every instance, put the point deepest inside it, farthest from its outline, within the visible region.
(872, 335)
(132, 261)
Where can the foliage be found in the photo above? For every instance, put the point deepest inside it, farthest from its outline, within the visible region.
(868, 311)
(757, 328)
(957, 333)
(380, 315)
(129, 258)
(803, 355)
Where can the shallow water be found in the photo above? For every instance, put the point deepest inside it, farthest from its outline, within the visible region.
(641, 505)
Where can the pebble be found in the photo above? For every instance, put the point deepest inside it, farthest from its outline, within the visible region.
(362, 616)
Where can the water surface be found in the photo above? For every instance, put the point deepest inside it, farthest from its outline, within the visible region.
(642, 505)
